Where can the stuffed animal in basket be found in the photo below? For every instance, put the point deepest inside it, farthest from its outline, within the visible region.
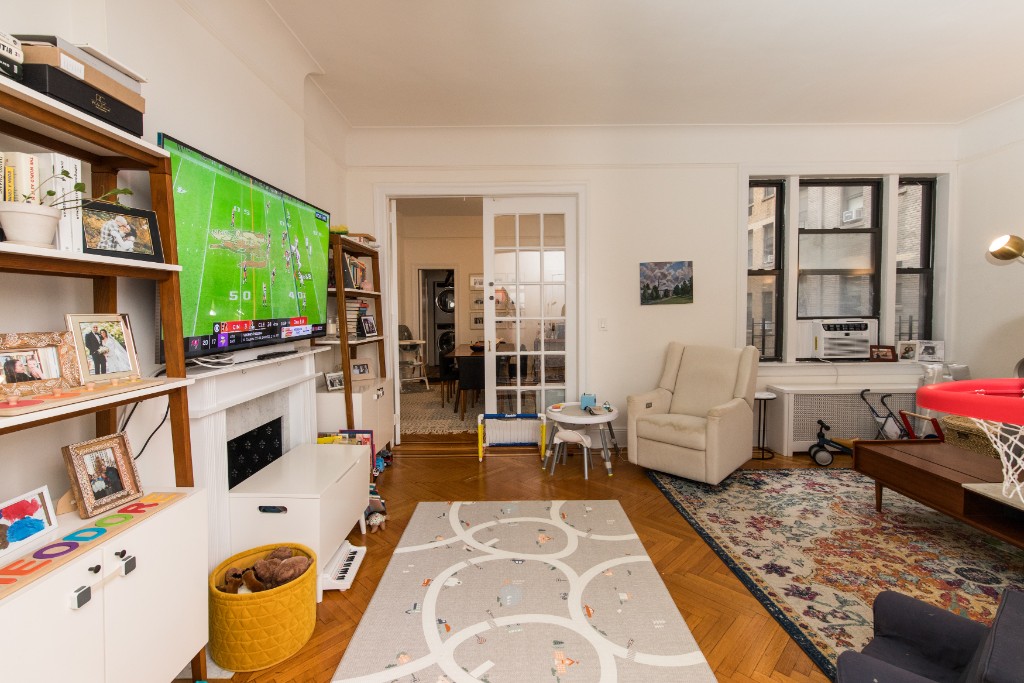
(276, 569)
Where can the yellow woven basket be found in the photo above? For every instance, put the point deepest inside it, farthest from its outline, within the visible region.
(253, 631)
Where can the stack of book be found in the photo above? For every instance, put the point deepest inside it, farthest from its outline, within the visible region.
(28, 177)
(11, 57)
(354, 310)
(85, 78)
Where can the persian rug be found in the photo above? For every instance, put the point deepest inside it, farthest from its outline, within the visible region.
(522, 591)
(810, 546)
(422, 413)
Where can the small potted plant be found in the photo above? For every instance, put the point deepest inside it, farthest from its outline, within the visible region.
(33, 219)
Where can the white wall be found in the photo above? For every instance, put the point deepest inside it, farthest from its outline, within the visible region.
(211, 84)
(988, 313)
(653, 194)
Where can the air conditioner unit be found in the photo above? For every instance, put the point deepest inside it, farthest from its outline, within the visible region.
(844, 339)
(853, 215)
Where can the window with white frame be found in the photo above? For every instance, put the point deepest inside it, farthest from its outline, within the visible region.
(837, 264)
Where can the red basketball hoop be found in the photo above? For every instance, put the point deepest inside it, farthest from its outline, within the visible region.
(998, 400)
(997, 407)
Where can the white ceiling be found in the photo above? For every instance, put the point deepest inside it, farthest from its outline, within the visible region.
(650, 62)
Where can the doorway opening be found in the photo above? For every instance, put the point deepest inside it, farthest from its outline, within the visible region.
(440, 248)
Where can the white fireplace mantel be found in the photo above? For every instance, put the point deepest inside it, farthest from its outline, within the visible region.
(287, 381)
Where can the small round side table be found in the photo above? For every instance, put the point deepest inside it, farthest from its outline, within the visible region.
(762, 398)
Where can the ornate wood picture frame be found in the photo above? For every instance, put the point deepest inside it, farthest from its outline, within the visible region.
(102, 473)
(38, 363)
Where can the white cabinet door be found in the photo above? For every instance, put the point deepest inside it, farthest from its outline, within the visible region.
(156, 615)
(43, 638)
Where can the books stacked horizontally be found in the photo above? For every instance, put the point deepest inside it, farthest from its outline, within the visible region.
(85, 78)
(30, 177)
(354, 310)
(11, 57)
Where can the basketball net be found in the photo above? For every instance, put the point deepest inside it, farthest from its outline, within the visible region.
(1008, 440)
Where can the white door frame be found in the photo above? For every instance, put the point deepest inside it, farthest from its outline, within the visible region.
(384, 193)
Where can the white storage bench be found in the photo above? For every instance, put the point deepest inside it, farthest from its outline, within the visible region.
(313, 495)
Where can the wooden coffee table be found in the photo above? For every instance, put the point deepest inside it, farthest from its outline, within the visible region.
(934, 474)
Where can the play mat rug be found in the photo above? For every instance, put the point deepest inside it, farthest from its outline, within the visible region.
(522, 591)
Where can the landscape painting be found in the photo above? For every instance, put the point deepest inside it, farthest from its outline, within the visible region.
(666, 282)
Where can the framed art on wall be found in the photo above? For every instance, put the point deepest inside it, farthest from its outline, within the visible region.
(117, 230)
(666, 282)
(38, 363)
(476, 281)
(102, 472)
(103, 345)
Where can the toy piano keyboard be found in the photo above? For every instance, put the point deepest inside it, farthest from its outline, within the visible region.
(341, 570)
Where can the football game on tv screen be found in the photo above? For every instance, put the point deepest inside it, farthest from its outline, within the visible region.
(253, 257)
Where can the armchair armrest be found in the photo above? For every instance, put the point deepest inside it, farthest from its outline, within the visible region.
(654, 402)
(856, 667)
(936, 633)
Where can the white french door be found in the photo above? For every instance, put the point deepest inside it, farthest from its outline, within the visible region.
(530, 302)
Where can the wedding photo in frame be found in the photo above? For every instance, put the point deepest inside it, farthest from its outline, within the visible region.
(122, 231)
(102, 473)
(37, 363)
(103, 346)
(367, 326)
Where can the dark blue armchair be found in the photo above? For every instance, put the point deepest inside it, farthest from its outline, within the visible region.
(916, 642)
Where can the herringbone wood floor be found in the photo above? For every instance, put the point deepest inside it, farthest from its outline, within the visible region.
(741, 641)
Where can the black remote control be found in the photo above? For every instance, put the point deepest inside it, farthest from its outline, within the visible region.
(274, 354)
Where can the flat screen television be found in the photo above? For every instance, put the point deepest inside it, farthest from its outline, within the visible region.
(253, 257)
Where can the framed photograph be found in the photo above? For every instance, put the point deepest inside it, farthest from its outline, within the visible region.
(102, 473)
(907, 351)
(28, 518)
(476, 281)
(368, 326)
(103, 345)
(931, 351)
(883, 354)
(38, 363)
(476, 321)
(361, 369)
(335, 380)
(116, 230)
(666, 282)
(476, 301)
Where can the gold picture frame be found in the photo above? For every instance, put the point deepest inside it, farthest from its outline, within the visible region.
(114, 357)
(102, 473)
(48, 358)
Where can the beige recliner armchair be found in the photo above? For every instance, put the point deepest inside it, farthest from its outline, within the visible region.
(699, 422)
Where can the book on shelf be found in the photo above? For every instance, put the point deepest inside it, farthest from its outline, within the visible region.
(134, 84)
(51, 55)
(15, 54)
(51, 165)
(10, 40)
(11, 68)
(24, 176)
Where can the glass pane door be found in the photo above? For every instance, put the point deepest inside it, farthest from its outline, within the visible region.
(529, 303)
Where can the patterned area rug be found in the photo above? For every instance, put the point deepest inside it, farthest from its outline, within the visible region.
(422, 413)
(522, 591)
(811, 547)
